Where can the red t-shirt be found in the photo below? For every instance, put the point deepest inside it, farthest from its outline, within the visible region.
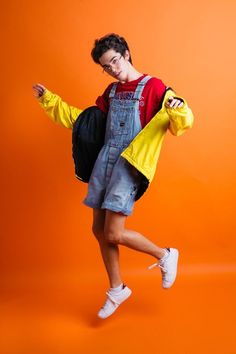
(150, 101)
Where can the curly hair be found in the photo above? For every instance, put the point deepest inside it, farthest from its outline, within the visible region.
(109, 41)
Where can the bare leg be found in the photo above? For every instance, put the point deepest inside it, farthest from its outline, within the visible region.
(109, 251)
(108, 227)
(116, 233)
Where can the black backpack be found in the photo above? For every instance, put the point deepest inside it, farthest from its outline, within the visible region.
(87, 140)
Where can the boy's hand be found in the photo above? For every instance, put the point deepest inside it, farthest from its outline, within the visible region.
(38, 90)
(174, 102)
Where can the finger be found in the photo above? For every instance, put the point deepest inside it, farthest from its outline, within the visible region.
(168, 102)
(37, 92)
(35, 89)
(41, 91)
(176, 105)
(172, 103)
(39, 87)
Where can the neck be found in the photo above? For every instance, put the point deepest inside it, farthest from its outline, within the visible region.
(133, 74)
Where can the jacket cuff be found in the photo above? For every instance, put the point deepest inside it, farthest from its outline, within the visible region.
(45, 97)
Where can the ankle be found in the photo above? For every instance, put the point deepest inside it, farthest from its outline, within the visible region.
(162, 254)
(116, 289)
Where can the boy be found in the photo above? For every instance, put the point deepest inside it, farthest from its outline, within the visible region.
(130, 103)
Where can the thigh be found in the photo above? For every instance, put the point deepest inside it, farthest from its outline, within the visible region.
(114, 222)
(98, 222)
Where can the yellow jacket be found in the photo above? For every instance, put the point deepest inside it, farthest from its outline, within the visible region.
(143, 152)
(58, 110)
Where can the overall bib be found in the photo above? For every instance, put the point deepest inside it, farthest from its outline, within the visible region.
(114, 182)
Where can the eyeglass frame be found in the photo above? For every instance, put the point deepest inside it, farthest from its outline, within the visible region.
(108, 68)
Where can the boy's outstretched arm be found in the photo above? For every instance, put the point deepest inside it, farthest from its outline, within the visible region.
(58, 110)
(180, 115)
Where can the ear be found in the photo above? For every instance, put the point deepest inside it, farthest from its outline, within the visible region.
(127, 55)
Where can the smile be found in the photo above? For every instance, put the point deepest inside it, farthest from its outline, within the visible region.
(117, 75)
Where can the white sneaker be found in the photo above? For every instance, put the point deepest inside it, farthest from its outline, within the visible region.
(168, 265)
(113, 301)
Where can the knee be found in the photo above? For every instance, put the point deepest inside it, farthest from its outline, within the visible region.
(112, 236)
(98, 232)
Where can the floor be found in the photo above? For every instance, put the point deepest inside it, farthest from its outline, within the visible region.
(55, 313)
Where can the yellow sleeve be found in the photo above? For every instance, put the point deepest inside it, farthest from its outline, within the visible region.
(181, 118)
(59, 111)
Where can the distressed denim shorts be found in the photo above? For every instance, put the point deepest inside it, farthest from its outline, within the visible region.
(119, 193)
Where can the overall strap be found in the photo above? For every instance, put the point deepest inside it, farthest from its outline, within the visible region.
(113, 90)
(140, 87)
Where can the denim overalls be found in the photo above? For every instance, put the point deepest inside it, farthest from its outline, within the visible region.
(114, 182)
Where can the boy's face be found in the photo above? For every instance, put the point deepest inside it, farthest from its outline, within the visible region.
(115, 64)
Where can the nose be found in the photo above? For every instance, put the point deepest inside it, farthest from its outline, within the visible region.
(113, 70)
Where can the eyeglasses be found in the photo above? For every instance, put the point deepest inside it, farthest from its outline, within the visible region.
(115, 61)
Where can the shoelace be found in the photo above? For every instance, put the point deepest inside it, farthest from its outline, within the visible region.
(158, 264)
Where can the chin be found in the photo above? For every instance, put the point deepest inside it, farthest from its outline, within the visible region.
(122, 78)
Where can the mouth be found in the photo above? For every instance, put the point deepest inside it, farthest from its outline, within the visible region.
(117, 75)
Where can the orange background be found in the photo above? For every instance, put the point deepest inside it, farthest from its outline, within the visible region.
(50, 266)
